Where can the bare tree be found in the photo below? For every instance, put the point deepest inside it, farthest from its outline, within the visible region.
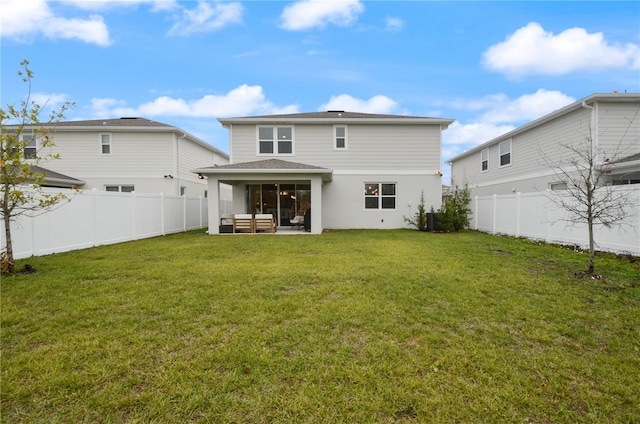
(25, 142)
(590, 197)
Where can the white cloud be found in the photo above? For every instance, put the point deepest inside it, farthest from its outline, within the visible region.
(309, 14)
(498, 115)
(376, 104)
(49, 100)
(102, 5)
(23, 20)
(472, 134)
(532, 50)
(242, 101)
(526, 107)
(207, 17)
(394, 24)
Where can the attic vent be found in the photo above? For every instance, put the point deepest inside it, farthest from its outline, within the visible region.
(335, 111)
(129, 117)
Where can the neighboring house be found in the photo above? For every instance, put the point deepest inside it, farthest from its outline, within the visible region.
(352, 170)
(519, 161)
(128, 154)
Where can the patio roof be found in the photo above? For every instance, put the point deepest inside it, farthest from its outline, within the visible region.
(266, 167)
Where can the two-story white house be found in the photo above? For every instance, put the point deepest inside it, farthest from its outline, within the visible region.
(522, 160)
(352, 170)
(127, 154)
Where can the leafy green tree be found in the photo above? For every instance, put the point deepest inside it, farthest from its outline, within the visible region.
(419, 219)
(454, 213)
(25, 142)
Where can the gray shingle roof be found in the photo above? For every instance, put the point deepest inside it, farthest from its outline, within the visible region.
(333, 114)
(56, 178)
(117, 122)
(629, 158)
(268, 164)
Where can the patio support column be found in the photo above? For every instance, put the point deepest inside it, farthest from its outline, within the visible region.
(214, 204)
(316, 204)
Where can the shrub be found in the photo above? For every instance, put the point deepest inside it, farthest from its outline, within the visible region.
(419, 219)
(454, 213)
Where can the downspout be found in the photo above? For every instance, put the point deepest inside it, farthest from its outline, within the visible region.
(593, 128)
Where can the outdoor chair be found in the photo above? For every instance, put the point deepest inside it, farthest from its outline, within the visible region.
(243, 222)
(297, 221)
(264, 222)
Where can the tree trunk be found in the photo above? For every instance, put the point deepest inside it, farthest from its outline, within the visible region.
(592, 252)
(7, 234)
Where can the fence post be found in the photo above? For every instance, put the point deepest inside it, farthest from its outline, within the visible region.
(34, 241)
(475, 224)
(94, 217)
(495, 201)
(518, 200)
(200, 209)
(162, 213)
(184, 213)
(134, 214)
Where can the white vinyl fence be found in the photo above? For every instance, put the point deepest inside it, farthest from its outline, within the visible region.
(534, 216)
(94, 218)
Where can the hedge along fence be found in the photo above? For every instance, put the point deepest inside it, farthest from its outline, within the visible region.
(534, 216)
(93, 218)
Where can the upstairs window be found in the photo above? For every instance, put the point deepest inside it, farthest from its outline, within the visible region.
(505, 153)
(105, 144)
(30, 146)
(340, 137)
(275, 140)
(379, 196)
(484, 158)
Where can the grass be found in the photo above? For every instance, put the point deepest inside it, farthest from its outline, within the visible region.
(351, 326)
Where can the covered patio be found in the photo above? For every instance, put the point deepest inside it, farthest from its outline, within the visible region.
(287, 191)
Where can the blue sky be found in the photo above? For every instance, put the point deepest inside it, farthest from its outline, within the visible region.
(491, 66)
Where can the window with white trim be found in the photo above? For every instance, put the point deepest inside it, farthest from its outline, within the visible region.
(120, 188)
(379, 195)
(105, 144)
(505, 153)
(30, 146)
(340, 137)
(484, 159)
(275, 140)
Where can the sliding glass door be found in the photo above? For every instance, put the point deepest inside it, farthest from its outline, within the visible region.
(284, 201)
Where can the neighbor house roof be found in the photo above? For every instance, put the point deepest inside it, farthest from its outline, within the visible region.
(117, 122)
(587, 101)
(265, 167)
(335, 116)
(56, 179)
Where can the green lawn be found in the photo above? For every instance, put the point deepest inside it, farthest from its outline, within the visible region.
(349, 326)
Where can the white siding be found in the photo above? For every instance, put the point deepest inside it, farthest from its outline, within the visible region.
(343, 200)
(137, 158)
(383, 147)
(615, 127)
(618, 129)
